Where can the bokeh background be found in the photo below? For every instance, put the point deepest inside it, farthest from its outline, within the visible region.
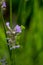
(30, 14)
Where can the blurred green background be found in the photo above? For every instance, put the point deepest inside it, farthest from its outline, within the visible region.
(30, 14)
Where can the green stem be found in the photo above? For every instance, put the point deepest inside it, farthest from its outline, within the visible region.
(12, 53)
(21, 12)
(11, 13)
(3, 21)
(3, 41)
(13, 57)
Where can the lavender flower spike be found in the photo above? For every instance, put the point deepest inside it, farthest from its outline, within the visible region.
(4, 4)
(18, 46)
(17, 29)
(7, 24)
(14, 47)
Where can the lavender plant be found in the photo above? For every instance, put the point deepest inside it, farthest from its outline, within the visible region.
(4, 54)
(3, 4)
(14, 35)
(19, 47)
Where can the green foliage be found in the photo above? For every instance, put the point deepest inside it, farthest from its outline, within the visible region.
(19, 35)
(22, 27)
(17, 38)
(3, 46)
(31, 40)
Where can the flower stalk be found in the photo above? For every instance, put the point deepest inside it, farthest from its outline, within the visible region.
(11, 13)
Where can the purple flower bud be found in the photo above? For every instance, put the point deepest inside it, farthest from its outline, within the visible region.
(4, 4)
(17, 29)
(8, 32)
(18, 46)
(14, 47)
(11, 48)
(7, 24)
